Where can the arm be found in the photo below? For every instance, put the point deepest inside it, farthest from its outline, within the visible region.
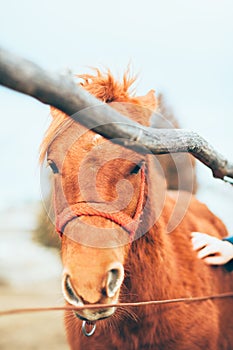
(228, 239)
(212, 250)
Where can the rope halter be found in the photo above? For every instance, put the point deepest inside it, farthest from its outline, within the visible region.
(128, 223)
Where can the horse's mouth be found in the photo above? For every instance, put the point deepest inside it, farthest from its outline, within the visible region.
(87, 320)
(95, 316)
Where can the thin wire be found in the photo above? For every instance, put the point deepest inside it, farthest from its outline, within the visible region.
(103, 306)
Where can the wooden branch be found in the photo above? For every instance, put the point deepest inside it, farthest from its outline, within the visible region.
(60, 91)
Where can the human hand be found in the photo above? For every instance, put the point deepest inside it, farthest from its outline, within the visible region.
(212, 250)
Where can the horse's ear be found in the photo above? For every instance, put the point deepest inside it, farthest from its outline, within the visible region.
(149, 100)
(55, 113)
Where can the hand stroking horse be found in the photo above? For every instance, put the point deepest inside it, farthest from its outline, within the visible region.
(125, 237)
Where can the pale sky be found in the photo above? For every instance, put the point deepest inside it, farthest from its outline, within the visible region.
(179, 47)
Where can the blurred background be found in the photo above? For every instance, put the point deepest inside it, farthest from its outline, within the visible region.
(182, 49)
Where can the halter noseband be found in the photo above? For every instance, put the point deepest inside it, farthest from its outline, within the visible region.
(128, 223)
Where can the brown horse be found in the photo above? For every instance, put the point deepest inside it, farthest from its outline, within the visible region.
(126, 238)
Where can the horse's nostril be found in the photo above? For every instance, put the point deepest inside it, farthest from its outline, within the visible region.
(68, 290)
(114, 279)
(114, 275)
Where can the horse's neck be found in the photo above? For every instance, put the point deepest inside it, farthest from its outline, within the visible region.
(151, 267)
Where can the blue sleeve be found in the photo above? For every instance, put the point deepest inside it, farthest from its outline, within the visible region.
(229, 239)
(229, 265)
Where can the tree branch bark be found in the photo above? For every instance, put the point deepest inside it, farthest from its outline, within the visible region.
(60, 91)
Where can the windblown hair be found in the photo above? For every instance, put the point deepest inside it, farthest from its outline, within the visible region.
(104, 86)
(107, 89)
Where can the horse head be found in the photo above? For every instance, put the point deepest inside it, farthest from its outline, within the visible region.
(99, 195)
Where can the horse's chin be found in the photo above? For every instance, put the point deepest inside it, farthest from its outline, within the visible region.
(95, 315)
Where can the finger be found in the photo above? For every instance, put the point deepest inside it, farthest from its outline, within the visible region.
(214, 260)
(200, 240)
(208, 250)
(203, 236)
(198, 244)
(196, 234)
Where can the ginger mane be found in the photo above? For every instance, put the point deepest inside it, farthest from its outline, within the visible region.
(105, 88)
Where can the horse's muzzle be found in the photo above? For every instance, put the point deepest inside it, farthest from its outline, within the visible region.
(94, 315)
(88, 315)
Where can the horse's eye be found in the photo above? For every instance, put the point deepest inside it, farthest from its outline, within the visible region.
(136, 169)
(53, 166)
